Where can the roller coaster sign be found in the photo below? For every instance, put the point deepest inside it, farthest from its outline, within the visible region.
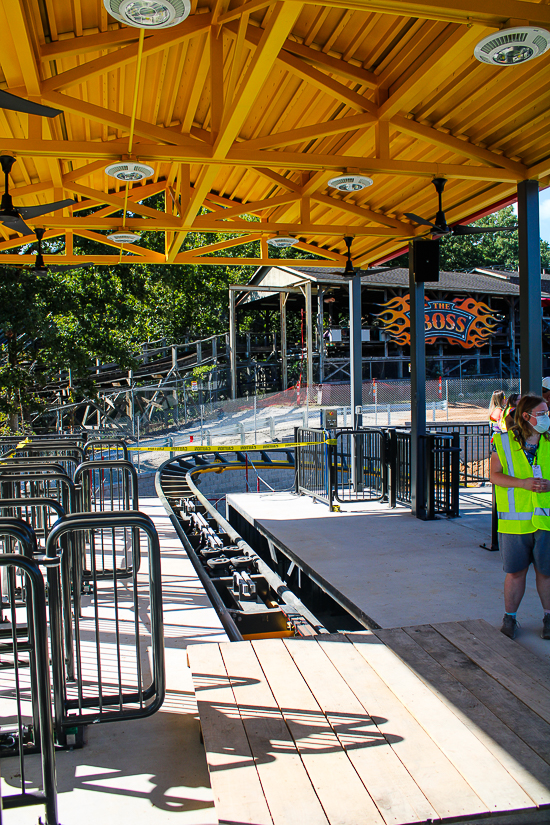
(465, 322)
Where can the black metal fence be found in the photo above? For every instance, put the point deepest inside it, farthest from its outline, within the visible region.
(373, 464)
(313, 464)
(359, 465)
(475, 449)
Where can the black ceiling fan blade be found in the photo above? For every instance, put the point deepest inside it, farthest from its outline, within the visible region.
(421, 221)
(480, 230)
(29, 212)
(19, 104)
(16, 224)
(67, 267)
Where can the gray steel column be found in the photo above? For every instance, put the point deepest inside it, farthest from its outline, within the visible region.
(530, 314)
(309, 335)
(284, 362)
(418, 390)
(232, 344)
(355, 350)
(320, 332)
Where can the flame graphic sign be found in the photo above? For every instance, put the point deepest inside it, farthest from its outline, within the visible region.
(465, 322)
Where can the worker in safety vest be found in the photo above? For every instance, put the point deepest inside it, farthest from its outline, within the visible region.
(520, 471)
(546, 390)
(507, 419)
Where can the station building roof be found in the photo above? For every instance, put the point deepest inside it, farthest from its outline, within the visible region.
(247, 109)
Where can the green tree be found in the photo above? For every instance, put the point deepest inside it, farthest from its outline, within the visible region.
(498, 250)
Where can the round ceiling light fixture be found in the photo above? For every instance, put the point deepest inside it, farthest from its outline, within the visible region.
(123, 237)
(129, 171)
(509, 47)
(149, 14)
(282, 242)
(350, 183)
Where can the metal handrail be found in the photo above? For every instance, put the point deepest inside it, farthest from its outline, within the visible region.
(111, 521)
(38, 646)
(83, 474)
(105, 444)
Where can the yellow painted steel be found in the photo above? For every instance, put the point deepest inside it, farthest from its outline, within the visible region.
(250, 108)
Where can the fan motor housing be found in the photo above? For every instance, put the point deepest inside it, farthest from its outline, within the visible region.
(512, 46)
(350, 183)
(149, 14)
(129, 171)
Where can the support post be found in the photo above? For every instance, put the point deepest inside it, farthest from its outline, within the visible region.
(355, 351)
(232, 344)
(418, 390)
(530, 320)
(320, 332)
(309, 336)
(284, 362)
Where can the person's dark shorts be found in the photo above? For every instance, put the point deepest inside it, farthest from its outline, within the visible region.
(519, 551)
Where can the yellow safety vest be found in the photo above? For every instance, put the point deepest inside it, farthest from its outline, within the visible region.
(519, 510)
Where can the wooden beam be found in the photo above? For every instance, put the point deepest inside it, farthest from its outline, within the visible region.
(129, 247)
(119, 121)
(318, 130)
(215, 247)
(467, 12)
(114, 60)
(88, 43)
(321, 81)
(360, 211)
(237, 157)
(334, 65)
(454, 144)
(249, 208)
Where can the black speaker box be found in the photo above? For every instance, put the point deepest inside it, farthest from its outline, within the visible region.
(425, 260)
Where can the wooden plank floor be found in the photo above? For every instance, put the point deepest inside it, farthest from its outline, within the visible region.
(447, 722)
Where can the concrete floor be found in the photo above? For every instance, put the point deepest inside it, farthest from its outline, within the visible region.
(400, 571)
(151, 770)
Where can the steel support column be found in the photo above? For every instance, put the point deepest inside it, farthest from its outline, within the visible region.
(232, 344)
(530, 315)
(309, 335)
(418, 391)
(355, 351)
(284, 362)
(320, 332)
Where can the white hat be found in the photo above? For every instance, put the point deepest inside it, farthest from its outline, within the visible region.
(546, 383)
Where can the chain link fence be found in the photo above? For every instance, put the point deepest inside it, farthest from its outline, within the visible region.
(185, 413)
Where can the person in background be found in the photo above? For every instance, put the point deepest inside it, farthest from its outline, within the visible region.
(546, 390)
(507, 419)
(496, 409)
(520, 471)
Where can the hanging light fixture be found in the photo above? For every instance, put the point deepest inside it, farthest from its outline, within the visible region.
(149, 14)
(123, 237)
(510, 47)
(129, 171)
(282, 242)
(350, 183)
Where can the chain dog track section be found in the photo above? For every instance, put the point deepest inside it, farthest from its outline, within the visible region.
(251, 600)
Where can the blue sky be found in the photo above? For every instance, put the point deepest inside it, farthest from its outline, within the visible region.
(545, 215)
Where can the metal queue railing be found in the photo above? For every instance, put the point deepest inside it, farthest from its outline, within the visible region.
(374, 464)
(313, 465)
(112, 677)
(26, 722)
(475, 447)
(105, 611)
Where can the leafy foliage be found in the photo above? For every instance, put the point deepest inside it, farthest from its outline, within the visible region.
(497, 250)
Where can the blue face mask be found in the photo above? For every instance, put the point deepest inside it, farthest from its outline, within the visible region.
(543, 423)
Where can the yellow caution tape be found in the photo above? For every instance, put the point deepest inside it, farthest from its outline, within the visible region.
(17, 447)
(224, 448)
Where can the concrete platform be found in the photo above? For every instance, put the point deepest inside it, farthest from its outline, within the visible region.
(152, 770)
(398, 570)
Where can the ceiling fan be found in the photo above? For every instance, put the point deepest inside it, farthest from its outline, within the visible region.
(440, 226)
(14, 217)
(39, 265)
(349, 271)
(19, 104)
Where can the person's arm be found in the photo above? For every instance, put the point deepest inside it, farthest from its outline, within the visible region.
(535, 485)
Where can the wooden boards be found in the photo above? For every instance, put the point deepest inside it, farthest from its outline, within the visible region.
(408, 725)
